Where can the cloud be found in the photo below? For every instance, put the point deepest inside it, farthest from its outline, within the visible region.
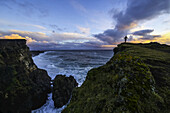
(34, 35)
(140, 10)
(164, 39)
(108, 46)
(37, 26)
(70, 36)
(84, 30)
(55, 37)
(28, 8)
(136, 11)
(150, 37)
(143, 32)
(21, 25)
(78, 6)
(111, 36)
(12, 36)
(43, 46)
(16, 36)
(56, 27)
(53, 26)
(42, 41)
(67, 46)
(33, 44)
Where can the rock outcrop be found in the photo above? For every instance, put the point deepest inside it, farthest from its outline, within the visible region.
(62, 89)
(135, 80)
(36, 53)
(23, 86)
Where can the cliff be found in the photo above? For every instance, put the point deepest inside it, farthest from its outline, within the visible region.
(135, 80)
(23, 86)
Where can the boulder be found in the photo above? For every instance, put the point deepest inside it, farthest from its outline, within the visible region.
(62, 89)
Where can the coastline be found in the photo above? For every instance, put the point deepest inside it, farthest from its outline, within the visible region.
(75, 63)
(136, 79)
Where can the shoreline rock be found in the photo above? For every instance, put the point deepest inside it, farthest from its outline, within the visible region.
(62, 89)
(23, 86)
(36, 53)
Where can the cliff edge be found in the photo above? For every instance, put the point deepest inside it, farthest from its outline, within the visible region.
(135, 80)
(23, 86)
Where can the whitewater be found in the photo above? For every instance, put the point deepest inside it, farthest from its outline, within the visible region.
(75, 63)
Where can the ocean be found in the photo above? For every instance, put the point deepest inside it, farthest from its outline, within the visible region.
(76, 63)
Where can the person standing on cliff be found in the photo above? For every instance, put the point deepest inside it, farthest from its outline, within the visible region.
(126, 38)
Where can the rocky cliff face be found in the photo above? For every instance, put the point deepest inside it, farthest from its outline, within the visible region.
(23, 86)
(135, 80)
(62, 89)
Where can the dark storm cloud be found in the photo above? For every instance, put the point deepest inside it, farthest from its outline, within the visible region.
(143, 32)
(146, 34)
(140, 10)
(136, 11)
(111, 36)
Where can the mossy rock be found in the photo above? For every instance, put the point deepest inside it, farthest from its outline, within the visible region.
(23, 86)
(62, 89)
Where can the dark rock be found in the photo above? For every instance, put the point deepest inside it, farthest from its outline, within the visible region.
(62, 89)
(23, 86)
(36, 53)
(41, 87)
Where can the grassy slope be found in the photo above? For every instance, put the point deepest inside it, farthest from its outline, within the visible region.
(157, 57)
(136, 79)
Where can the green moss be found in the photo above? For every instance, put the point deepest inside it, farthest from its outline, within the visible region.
(128, 83)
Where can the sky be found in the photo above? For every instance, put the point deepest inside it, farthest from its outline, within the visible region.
(84, 24)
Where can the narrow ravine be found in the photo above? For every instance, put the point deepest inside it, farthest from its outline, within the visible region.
(75, 63)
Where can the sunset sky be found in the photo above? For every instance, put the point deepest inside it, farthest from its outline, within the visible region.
(84, 24)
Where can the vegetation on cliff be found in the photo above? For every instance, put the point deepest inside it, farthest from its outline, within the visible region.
(135, 80)
(23, 86)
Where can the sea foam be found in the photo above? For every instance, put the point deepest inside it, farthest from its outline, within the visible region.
(75, 63)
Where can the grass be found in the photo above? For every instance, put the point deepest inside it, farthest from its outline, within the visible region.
(136, 79)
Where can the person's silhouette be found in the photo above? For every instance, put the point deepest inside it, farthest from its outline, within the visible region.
(126, 38)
